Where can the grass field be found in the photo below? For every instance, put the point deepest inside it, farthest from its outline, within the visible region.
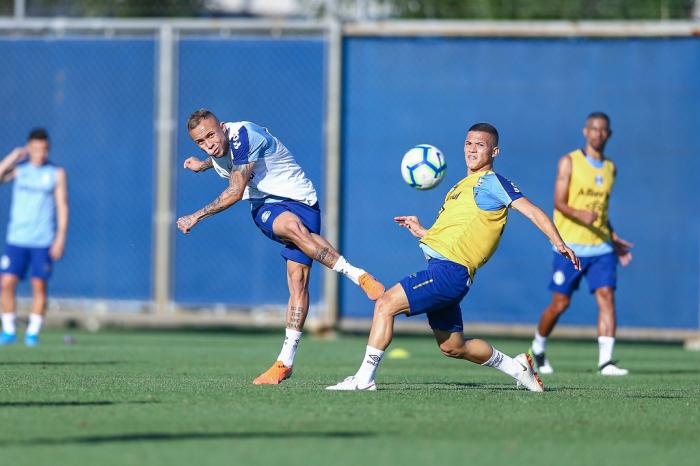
(150, 398)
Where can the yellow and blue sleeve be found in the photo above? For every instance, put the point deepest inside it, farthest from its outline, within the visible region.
(495, 192)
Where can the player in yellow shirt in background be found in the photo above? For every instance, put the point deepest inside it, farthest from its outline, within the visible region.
(462, 239)
(584, 182)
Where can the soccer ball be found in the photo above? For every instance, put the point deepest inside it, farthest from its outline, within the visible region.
(423, 166)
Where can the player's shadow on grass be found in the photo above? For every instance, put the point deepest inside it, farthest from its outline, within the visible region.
(452, 386)
(455, 386)
(60, 363)
(664, 371)
(173, 437)
(52, 404)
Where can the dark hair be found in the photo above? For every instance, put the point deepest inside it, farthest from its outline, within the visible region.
(600, 115)
(486, 128)
(197, 116)
(38, 133)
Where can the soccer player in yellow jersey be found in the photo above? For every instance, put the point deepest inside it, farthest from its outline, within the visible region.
(584, 181)
(462, 239)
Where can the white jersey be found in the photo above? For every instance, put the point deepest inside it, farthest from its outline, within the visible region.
(276, 175)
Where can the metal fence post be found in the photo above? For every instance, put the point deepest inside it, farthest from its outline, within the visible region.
(20, 9)
(163, 177)
(330, 314)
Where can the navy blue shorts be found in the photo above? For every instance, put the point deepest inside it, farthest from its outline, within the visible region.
(17, 259)
(600, 272)
(310, 216)
(437, 292)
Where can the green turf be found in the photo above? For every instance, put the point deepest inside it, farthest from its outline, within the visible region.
(148, 398)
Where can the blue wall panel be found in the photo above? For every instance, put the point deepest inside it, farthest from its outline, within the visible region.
(400, 92)
(95, 97)
(274, 83)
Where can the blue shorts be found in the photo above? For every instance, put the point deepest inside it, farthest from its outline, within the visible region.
(437, 292)
(17, 259)
(600, 272)
(265, 214)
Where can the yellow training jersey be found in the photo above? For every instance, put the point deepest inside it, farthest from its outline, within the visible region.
(472, 218)
(589, 189)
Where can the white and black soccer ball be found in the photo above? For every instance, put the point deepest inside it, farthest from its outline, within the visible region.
(423, 166)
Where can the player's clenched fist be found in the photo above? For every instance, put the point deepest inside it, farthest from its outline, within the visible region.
(186, 223)
(194, 164)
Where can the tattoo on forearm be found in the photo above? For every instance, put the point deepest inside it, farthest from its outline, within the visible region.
(230, 195)
(207, 164)
(218, 204)
(235, 185)
(296, 317)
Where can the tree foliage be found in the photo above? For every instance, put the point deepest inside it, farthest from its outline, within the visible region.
(116, 8)
(541, 9)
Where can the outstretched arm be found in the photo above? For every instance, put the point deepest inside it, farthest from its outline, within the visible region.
(542, 221)
(232, 194)
(411, 223)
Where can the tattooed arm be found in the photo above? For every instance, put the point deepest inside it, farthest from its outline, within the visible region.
(232, 194)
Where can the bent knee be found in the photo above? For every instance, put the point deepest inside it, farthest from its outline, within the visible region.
(298, 278)
(382, 306)
(452, 351)
(385, 307)
(298, 274)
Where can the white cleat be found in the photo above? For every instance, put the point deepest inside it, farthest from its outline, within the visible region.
(528, 378)
(609, 368)
(351, 384)
(546, 368)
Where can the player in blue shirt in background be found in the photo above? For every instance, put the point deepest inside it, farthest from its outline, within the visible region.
(36, 233)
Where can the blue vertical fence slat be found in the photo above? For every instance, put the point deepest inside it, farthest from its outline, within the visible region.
(278, 84)
(95, 97)
(403, 91)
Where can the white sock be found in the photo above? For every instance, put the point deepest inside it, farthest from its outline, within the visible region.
(8, 322)
(365, 375)
(35, 321)
(289, 347)
(347, 269)
(605, 349)
(504, 363)
(539, 344)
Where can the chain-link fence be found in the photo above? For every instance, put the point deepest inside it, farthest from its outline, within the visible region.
(95, 97)
(114, 96)
(98, 91)
(278, 84)
(404, 91)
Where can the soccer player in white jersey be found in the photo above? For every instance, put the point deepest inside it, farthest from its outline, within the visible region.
(36, 234)
(284, 206)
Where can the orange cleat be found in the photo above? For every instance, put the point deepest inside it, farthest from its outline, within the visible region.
(371, 286)
(274, 375)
